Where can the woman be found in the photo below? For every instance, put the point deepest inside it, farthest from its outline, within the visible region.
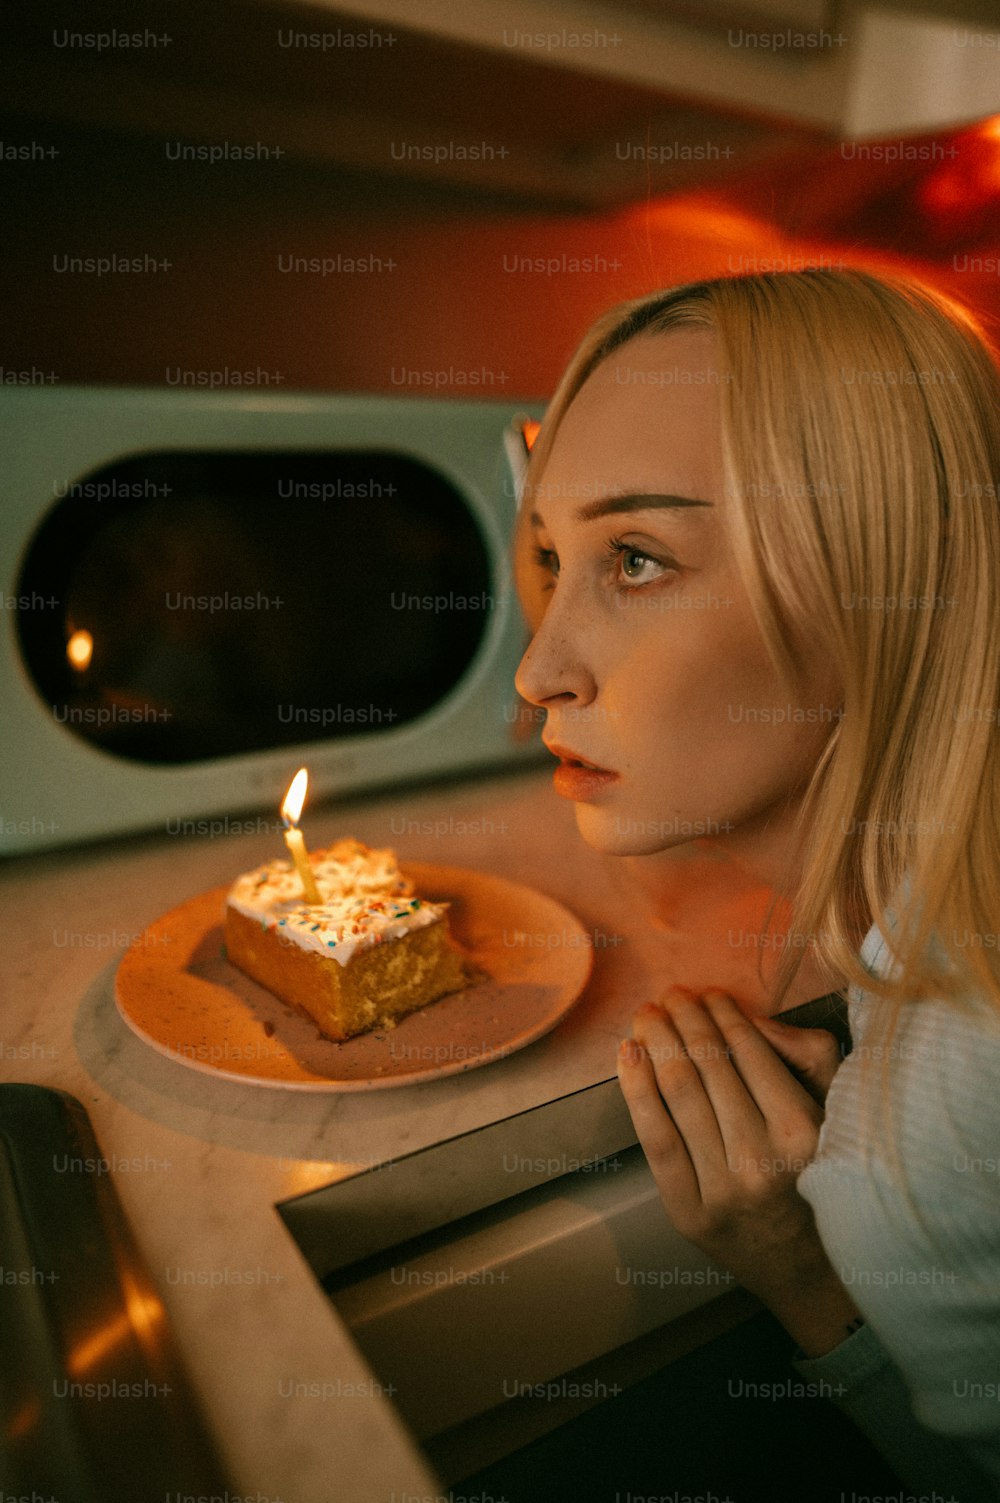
(759, 546)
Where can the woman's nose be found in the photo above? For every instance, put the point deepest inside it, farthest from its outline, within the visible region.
(552, 667)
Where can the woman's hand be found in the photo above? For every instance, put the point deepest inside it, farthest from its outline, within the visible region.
(726, 1130)
(812, 1053)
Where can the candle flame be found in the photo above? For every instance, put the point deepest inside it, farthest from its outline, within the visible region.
(291, 808)
(80, 650)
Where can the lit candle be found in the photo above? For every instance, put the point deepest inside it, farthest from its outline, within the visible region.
(291, 809)
(80, 650)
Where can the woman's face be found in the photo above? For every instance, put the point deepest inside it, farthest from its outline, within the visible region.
(647, 658)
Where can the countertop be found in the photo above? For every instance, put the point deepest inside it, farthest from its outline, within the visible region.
(200, 1163)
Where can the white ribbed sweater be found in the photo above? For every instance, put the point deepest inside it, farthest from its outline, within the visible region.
(922, 1377)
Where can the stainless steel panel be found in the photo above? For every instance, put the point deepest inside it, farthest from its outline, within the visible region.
(94, 1403)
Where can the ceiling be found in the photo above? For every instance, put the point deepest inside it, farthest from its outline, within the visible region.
(560, 102)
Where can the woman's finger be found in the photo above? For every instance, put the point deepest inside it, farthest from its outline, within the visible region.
(662, 1144)
(813, 1052)
(740, 1119)
(779, 1097)
(682, 1089)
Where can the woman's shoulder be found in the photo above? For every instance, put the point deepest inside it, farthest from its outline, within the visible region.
(970, 1013)
(934, 1073)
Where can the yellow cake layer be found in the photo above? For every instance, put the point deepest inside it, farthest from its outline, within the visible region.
(377, 985)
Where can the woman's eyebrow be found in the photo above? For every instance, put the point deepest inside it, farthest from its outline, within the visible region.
(607, 505)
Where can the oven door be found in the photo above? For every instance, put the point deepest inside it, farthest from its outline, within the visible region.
(210, 589)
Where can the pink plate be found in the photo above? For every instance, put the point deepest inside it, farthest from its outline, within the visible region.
(177, 991)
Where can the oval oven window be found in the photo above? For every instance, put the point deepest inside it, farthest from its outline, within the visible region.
(205, 605)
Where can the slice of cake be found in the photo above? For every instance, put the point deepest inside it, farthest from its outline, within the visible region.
(369, 953)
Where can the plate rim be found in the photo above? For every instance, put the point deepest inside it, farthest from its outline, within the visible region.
(419, 871)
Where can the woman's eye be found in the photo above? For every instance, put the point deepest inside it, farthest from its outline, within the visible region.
(632, 565)
(547, 560)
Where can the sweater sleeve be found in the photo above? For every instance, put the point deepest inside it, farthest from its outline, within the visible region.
(862, 1380)
(907, 1206)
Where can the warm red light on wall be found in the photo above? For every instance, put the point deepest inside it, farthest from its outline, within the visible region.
(968, 184)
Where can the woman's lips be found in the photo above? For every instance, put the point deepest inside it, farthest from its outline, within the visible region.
(576, 778)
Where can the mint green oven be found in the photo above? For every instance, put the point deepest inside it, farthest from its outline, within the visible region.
(205, 590)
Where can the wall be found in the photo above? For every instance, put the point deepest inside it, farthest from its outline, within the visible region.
(469, 295)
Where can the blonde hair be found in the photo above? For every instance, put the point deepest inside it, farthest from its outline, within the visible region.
(860, 418)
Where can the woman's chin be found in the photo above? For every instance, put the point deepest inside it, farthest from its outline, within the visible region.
(617, 835)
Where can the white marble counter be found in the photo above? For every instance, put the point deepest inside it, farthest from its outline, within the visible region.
(200, 1163)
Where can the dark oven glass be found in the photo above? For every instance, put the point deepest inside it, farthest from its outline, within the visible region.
(205, 604)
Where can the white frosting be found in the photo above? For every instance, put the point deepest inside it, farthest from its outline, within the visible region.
(366, 900)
